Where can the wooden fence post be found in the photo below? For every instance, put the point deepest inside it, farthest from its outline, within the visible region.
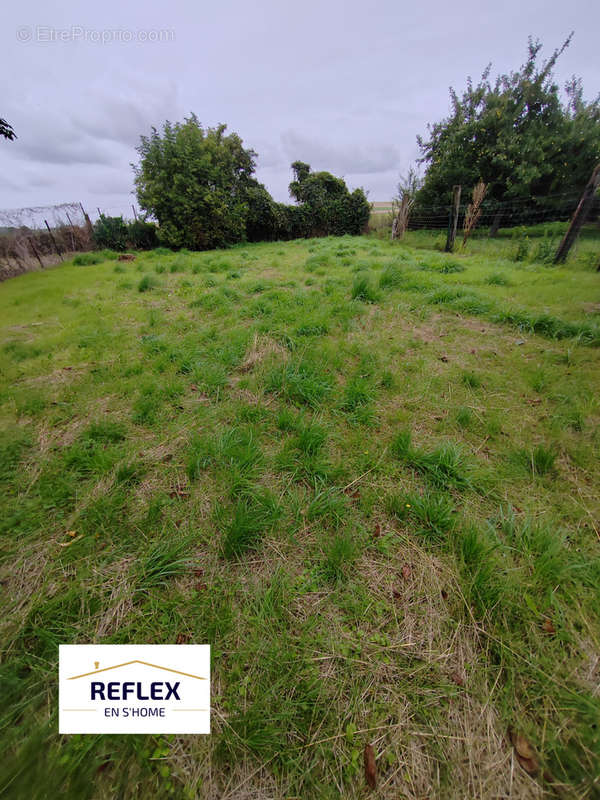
(35, 252)
(72, 231)
(88, 223)
(60, 255)
(579, 217)
(453, 220)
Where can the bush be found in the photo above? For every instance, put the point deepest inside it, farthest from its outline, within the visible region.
(142, 235)
(87, 259)
(111, 232)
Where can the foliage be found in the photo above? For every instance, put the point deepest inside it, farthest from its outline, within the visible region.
(142, 235)
(198, 184)
(515, 134)
(110, 232)
(6, 130)
(194, 180)
(116, 234)
(329, 207)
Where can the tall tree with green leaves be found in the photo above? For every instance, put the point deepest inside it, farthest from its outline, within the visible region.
(517, 134)
(194, 181)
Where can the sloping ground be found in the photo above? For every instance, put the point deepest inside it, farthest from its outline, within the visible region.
(366, 475)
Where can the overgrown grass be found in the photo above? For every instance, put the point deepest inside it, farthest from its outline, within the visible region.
(365, 472)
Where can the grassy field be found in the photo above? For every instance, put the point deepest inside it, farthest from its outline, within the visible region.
(367, 474)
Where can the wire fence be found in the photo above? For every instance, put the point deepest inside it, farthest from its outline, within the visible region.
(495, 215)
(39, 236)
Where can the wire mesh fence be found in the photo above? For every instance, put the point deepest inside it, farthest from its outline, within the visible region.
(39, 236)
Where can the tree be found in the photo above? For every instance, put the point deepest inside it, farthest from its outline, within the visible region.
(517, 135)
(6, 130)
(328, 207)
(195, 182)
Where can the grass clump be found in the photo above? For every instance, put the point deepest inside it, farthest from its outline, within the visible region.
(88, 259)
(147, 283)
(471, 380)
(235, 450)
(300, 382)
(541, 460)
(363, 290)
(431, 514)
(498, 279)
(340, 553)
(253, 515)
(444, 466)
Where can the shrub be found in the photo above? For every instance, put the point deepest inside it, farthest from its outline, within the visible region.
(522, 251)
(87, 259)
(142, 235)
(111, 232)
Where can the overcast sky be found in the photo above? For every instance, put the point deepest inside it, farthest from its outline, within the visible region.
(345, 86)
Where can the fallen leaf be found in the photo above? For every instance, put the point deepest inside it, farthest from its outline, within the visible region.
(457, 679)
(406, 572)
(370, 766)
(548, 626)
(182, 638)
(71, 533)
(68, 544)
(524, 752)
(377, 531)
(178, 493)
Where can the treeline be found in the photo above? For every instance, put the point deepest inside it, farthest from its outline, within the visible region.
(198, 184)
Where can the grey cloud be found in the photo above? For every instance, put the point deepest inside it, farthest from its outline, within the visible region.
(123, 116)
(340, 158)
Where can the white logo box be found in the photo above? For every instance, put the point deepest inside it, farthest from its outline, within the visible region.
(134, 688)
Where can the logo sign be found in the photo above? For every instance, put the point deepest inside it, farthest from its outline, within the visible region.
(137, 688)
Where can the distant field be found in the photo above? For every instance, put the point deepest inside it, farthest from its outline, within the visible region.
(367, 473)
(380, 207)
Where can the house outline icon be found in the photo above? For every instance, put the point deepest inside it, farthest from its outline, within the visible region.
(135, 661)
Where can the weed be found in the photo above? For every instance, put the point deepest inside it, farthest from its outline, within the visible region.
(339, 555)
(464, 417)
(444, 466)
(498, 279)
(432, 514)
(253, 515)
(300, 382)
(147, 283)
(471, 379)
(363, 290)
